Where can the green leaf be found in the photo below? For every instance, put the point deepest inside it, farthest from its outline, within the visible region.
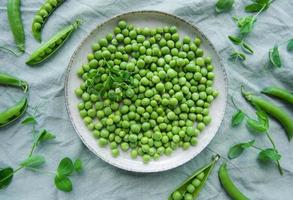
(29, 120)
(261, 125)
(65, 167)
(236, 150)
(245, 24)
(224, 5)
(43, 136)
(78, 165)
(63, 183)
(6, 176)
(33, 161)
(274, 56)
(290, 45)
(269, 155)
(237, 118)
(255, 7)
(235, 39)
(246, 47)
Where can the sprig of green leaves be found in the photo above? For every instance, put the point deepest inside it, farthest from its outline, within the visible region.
(245, 24)
(224, 5)
(65, 168)
(116, 79)
(32, 161)
(259, 125)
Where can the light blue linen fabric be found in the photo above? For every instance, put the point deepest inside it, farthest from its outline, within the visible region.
(101, 181)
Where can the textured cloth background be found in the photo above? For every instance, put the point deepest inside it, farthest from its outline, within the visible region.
(99, 179)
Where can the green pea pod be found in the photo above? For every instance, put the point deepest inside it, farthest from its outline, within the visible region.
(50, 47)
(228, 184)
(6, 79)
(282, 116)
(279, 93)
(13, 113)
(193, 184)
(14, 18)
(42, 16)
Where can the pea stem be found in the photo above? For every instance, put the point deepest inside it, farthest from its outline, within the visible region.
(41, 171)
(257, 147)
(274, 147)
(9, 50)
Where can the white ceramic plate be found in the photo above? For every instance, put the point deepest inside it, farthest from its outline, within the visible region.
(144, 19)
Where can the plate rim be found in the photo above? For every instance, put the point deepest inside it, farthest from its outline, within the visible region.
(69, 67)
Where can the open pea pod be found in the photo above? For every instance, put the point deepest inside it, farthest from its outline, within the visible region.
(47, 8)
(192, 186)
(14, 112)
(48, 48)
(6, 79)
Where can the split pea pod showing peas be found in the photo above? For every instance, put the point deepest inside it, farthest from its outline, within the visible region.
(50, 47)
(279, 93)
(14, 18)
(42, 16)
(228, 184)
(191, 187)
(282, 116)
(6, 79)
(14, 112)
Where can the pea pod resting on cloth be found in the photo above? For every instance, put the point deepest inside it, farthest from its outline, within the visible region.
(279, 93)
(42, 16)
(14, 18)
(50, 47)
(16, 111)
(228, 184)
(279, 114)
(192, 186)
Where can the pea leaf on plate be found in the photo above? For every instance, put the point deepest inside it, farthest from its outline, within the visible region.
(65, 167)
(274, 56)
(290, 45)
(33, 161)
(224, 5)
(63, 183)
(236, 150)
(6, 176)
(269, 155)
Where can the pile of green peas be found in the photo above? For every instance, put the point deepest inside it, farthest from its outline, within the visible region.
(170, 90)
